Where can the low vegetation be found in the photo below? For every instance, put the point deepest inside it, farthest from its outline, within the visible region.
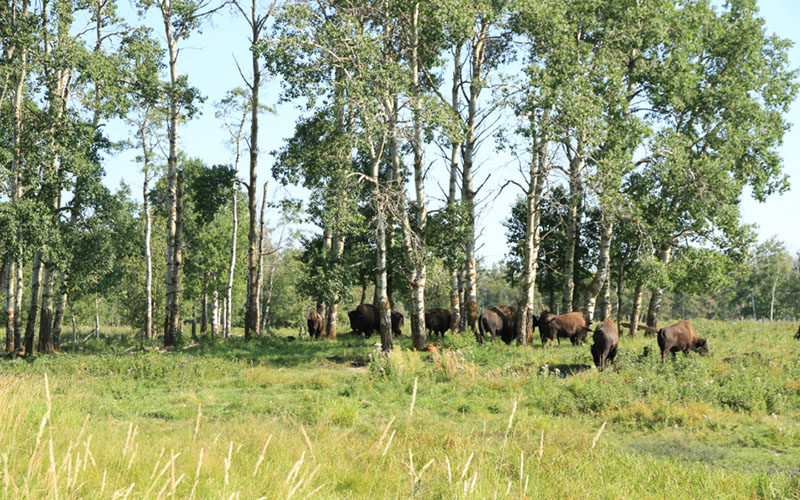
(280, 418)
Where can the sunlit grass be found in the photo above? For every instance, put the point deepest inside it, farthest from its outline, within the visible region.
(277, 418)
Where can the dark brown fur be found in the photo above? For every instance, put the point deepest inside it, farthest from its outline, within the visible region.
(397, 323)
(797, 335)
(314, 325)
(509, 316)
(489, 322)
(364, 319)
(680, 337)
(499, 320)
(606, 340)
(571, 326)
(438, 321)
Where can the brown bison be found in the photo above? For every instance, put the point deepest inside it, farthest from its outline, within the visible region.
(499, 320)
(554, 328)
(365, 319)
(438, 321)
(680, 337)
(397, 323)
(315, 324)
(606, 340)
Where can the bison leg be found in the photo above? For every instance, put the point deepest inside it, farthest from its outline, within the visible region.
(612, 353)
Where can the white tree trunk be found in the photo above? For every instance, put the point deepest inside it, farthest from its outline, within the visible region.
(772, 297)
(537, 173)
(455, 291)
(148, 231)
(234, 233)
(33, 307)
(664, 254)
(214, 313)
(601, 275)
(636, 310)
(576, 163)
(172, 299)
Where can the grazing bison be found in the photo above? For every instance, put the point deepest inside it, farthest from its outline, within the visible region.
(315, 324)
(437, 321)
(397, 323)
(554, 328)
(680, 337)
(499, 320)
(604, 348)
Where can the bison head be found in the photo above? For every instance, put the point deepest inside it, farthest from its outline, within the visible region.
(701, 346)
(355, 318)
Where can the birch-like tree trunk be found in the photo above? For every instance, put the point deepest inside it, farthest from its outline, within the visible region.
(262, 239)
(636, 310)
(601, 275)
(620, 285)
(772, 296)
(33, 306)
(266, 318)
(148, 231)
(455, 291)
(468, 193)
(253, 304)
(214, 313)
(419, 268)
(379, 205)
(61, 306)
(172, 295)
(576, 163)
(14, 283)
(204, 313)
(664, 254)
(58, 92)
(606, 294)
(10, 292)
(96, 317)
(172, 327)
(536, 177)
(234, 232)
(337, 249)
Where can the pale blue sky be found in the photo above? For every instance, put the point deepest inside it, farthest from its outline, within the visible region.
(208, 61)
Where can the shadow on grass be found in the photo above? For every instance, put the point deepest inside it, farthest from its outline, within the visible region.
(277, 351)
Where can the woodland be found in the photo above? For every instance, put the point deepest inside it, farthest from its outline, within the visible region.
(635, 128)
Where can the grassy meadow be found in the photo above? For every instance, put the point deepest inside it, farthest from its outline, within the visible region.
(294, 419)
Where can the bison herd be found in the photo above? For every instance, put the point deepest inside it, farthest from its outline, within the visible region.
(501, 321)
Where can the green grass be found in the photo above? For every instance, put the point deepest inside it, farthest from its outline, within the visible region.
(488, 421)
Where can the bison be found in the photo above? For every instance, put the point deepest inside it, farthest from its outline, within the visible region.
(606, 340)
(365, 319)
(489, 322)
(397, 323)
(437, 321)
(315, 324)
(680, 337)
(797, 335)
(554, 328)
(502, 321)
